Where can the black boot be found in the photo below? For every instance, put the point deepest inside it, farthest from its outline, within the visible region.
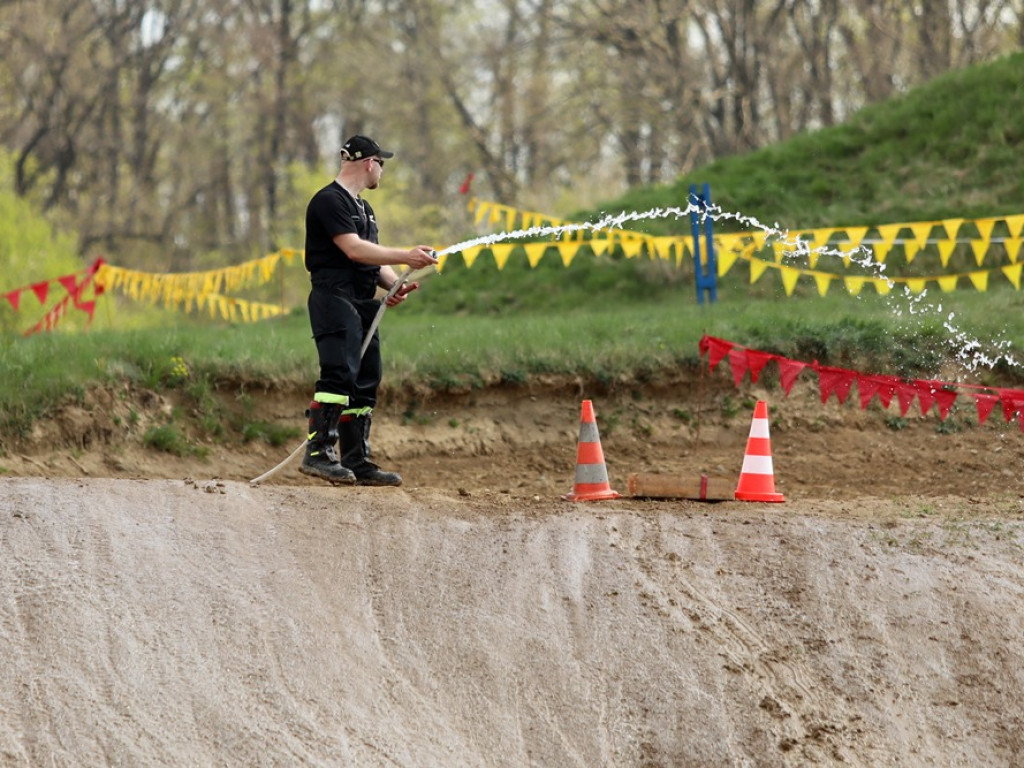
(355, 452)
(321, 460)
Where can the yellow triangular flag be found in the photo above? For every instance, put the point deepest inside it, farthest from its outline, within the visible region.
(568, 252)
(980, 248)
(910, 249)
(921, 232)
(947, 283)
(469, 255)
(757, 268)
(725, 261)
(854, 285)
(979, 279)
(946, 248)
(952, 227)
(882, 285)
(1016, 225)
(1012, 273)
(812, 258)
(985, 227)
(789, 277)
(856, 234)
(1012, 246)
(534, 252)
(882, 251)
(888, 232)
(631, 248)
(916, 284)
(599, 247)
(823, 281)
(779, 251)
(501, 252)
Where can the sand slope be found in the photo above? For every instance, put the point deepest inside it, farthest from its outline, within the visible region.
(170, 622)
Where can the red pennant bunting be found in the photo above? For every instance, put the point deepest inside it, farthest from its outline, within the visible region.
(89, 307)
(867, 388)
(906, 392)
(757, 361)
(738, 364)
(836, 380)
(886, 388)
(14, 297)
(70, 283)
(1013, 403)
(945, 398)
(925, 395)
(41, 290)
(986, 403)
(788, 371)
(717, 349)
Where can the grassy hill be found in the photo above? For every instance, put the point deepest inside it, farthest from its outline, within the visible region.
(953, 147)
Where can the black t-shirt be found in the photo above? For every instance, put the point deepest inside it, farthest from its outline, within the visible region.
(333, 211)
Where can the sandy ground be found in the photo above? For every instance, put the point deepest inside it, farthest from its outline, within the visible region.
(161, 611)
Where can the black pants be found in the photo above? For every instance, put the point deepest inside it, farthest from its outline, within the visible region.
(339, 326)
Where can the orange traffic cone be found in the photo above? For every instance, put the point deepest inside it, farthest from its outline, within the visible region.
(591, 474)
(757, 478)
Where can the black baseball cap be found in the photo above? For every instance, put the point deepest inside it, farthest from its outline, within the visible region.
(360, 147)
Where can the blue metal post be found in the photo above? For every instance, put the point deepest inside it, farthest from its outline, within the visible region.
(706, 270)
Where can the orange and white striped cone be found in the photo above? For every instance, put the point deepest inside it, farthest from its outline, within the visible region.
(591, 482)
(757, 478)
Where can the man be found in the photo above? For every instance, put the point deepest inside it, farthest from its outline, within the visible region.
(346, 265)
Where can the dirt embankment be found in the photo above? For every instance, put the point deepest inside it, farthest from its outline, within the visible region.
(160, 611)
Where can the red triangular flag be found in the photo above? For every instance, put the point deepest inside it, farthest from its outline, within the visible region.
(925, 395)
(1013, 403)
(464, 189)
(717, 348)
(945, 398)
(70, 283)
(836, 380)
(14, 297)
(757, 361)
(89, 307)
(986, 403)
(867, 388)
(906, 392)
(41, 290)
(738, 364)
(886, 388)
(788, 371)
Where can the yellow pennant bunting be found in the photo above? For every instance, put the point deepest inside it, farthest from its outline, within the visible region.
(882, 251)
(1012, 246)
(915, 285)
(856, 234)
(854, 285)
(789, 276)
(882, 286)
(599, 247)
(757, 268)
(910, 249)
(979, 280)
(725, 261)
(889, 232)
(501, 252)
(980, 248)
(568, 252)
(535, 252)
(469, 255)
(952, 227)
(985, 227)
(946, 248)
(823, 280)
(947, 283)
(1012, 273)
(921, 232)
(1015, 224)
(631, 248)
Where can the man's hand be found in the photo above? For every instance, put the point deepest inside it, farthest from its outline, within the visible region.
(421, 256)
(399, 297)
